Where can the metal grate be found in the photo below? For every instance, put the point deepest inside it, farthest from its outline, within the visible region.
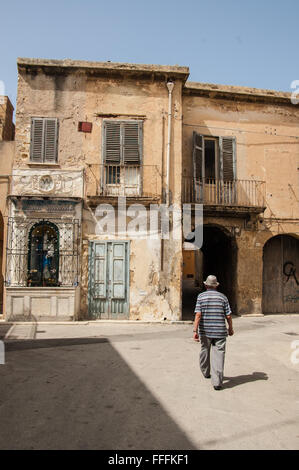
(18, 250)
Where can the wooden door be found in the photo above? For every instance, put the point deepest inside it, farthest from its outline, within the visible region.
(108, 292)
(281, 275)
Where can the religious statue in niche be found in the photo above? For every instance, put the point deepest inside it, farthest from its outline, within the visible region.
(43, 265)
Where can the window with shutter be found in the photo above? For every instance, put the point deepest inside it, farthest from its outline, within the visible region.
(122, 142)
(224, 159)
(214, 171)
(122, 157)
(44, 140)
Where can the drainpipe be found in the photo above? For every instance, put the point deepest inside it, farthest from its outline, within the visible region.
(170, 86)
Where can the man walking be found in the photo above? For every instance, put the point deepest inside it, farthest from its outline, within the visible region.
(211, 311)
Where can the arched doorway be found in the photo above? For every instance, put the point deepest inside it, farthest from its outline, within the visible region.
(217, 256)
(281, 275)
(220, 258)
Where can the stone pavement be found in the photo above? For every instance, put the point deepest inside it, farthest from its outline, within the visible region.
(101, 385)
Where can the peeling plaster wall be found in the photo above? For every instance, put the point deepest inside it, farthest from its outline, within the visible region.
(75, 96)
(155, 294)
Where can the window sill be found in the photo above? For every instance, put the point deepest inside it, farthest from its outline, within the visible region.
(43, 165)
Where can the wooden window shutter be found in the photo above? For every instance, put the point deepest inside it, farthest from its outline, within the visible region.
(112, 142)
(227, 158)
(198, 156)
(37, 140)
(51, 140)
(132, 138)
(44, 140)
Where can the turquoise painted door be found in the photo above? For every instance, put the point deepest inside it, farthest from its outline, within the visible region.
(108, 290)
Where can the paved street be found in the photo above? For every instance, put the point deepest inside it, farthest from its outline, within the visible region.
(138, 386)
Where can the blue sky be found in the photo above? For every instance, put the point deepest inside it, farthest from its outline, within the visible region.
(253, 43)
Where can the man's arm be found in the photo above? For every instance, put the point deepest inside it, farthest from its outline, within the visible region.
(195, 326)
(230, 325)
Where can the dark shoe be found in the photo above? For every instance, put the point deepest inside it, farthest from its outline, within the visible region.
(217, 387)
(207, 376)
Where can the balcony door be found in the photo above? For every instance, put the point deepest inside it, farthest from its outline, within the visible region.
(214, 169)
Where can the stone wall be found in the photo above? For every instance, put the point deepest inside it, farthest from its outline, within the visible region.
(7, 128)
(76, 95)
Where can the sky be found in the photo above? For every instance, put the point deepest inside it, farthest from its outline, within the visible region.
(233, 42)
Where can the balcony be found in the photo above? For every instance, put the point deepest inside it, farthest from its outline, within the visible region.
(225, 196)
(132, 181)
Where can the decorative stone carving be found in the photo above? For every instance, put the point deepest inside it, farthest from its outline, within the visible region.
(40, 182)
(46, 183)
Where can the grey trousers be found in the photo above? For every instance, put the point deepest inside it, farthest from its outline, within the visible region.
(211, 358)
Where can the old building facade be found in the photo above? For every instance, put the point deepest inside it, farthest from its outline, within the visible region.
(101, 146)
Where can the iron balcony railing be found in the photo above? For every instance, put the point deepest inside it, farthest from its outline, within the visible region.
(123, 180)
(246, 193)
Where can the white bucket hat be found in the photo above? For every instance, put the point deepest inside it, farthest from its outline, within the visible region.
(211, 281)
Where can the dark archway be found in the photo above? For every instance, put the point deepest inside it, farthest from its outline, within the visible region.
(220, 258)
(217, 256)
(281, 275)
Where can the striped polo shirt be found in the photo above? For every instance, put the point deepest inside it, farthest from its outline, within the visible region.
(214, 307)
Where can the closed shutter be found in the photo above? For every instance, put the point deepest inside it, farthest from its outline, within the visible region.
(44, 140)
(227, 158)
(112, 142)
(50, 142)
(122, 142)
(132, 137)
(198, 156)
(37, 140)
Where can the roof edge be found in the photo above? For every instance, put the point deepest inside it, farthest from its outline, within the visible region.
(171, 70)
(217, 90)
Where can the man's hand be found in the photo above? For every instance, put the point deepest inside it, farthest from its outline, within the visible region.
(230, 331)
(195, 336)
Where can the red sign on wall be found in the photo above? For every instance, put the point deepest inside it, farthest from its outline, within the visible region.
(85, 126)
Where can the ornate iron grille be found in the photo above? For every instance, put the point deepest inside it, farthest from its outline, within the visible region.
(18, 251)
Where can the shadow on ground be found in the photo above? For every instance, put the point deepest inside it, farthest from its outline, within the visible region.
(229, 382)
(79, 393)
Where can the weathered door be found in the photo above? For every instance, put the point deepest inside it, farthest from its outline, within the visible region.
(281, 275)
(108, 290)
